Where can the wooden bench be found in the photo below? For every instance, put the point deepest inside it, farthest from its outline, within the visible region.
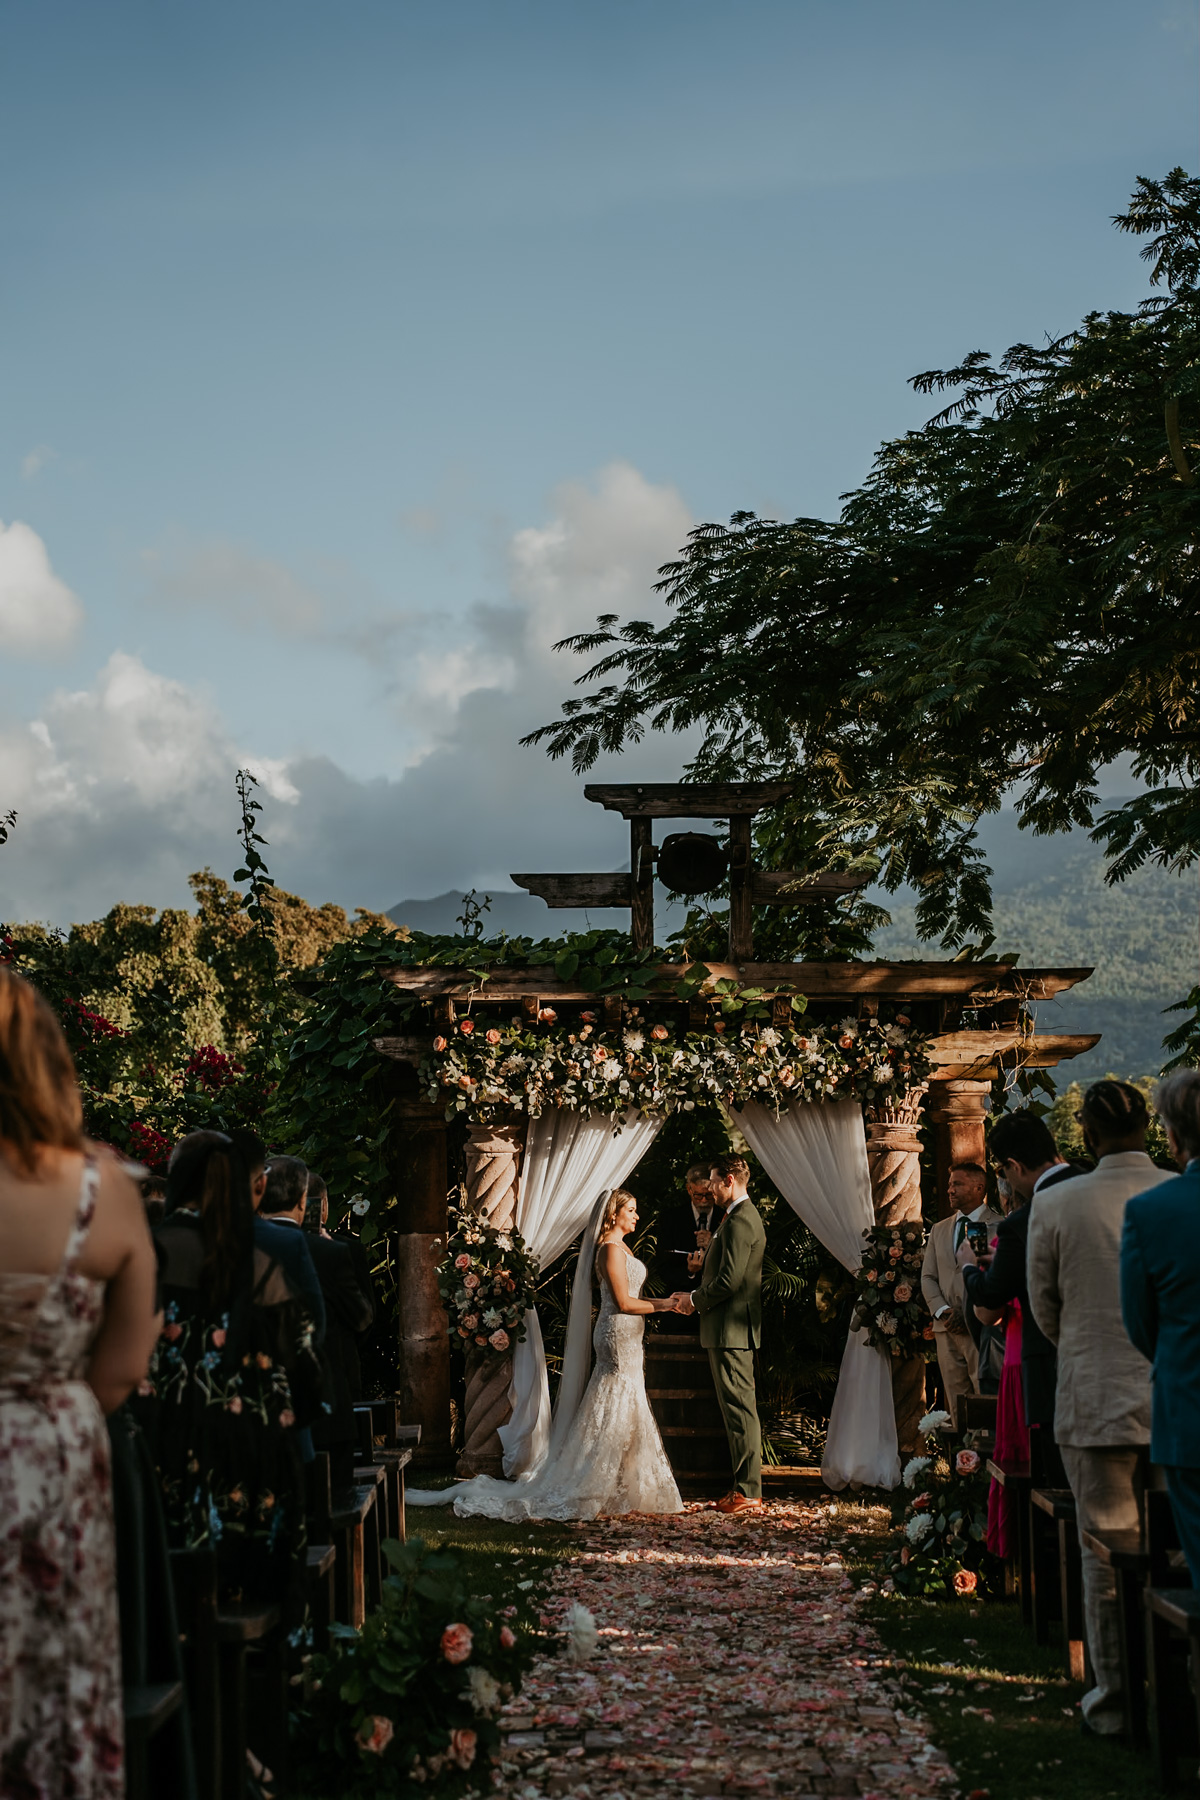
(240, 1626)
(1057, 1565)
(1015, 1479)
(1126, 1554)
(322, 1598)
(380, 1420)
(147, 1710)
(194, 1580)
(1172, 1641)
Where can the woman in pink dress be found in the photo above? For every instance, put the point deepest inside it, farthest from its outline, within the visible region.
(77, 1324)
(1012, 1438)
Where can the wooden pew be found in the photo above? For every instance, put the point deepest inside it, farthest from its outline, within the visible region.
(1015, 1479)
(1056, 1555)
(194, 1579)
(380, 1419)
(1172, 1641)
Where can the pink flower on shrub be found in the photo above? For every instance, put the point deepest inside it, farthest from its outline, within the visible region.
(457, 1643)
(439, 1044)
(472, 1321)
(375, 1734)
(965, 1581)
(966, 1463)
(903, 1292)
(462, 1748)
(463, 1261)
(467, 1027)
(493, 1036)
(658, 1033)
(499, 1340)
(471, 1282)
(507, 1637)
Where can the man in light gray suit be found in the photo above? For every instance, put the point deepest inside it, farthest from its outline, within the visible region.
(1102, 1401)
(942, 1282)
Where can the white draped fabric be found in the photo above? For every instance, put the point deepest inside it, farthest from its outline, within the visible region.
(571, 1159)
(817, 1157)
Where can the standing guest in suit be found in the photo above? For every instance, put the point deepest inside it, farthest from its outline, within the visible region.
(941, 1281)
(349, 1311)
(290, 1250)
(1102, 1404)
(684, 1235)
(729, 1302)
(1026, 1156)
(1160, 1302)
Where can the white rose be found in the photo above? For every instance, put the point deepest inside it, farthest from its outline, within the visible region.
(935, 1421)
(914, 1469)
(918, 1527)
(611, 1070)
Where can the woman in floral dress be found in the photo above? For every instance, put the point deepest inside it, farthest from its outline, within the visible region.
(76, 1327)
(218, 1406)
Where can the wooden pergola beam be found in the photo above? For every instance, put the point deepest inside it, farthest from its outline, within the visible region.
(687, 799)
(968, 983)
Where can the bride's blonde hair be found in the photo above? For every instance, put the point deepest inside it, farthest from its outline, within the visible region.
(616, 1200)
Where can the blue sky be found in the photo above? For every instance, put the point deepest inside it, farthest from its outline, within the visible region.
(352, 354)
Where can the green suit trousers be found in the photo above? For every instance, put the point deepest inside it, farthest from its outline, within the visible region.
(733, 1374)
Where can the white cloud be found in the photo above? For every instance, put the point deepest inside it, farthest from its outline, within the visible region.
(37, 611)
(125, 787)
(35, 460)
(218, 575)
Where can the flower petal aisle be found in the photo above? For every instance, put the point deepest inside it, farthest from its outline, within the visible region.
(730, 1660)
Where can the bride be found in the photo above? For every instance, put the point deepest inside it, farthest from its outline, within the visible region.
(605, 1454)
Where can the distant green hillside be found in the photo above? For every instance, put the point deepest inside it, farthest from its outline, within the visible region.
(1053, 907)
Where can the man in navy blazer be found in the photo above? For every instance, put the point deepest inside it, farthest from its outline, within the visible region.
(1160, 1303)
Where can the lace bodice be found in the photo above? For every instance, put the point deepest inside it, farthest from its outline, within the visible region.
(618, 1337)
(48, 1322)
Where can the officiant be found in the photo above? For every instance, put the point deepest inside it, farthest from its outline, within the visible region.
(684, 1234)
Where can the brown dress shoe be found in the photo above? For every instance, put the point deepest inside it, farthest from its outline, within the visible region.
(736, 1503)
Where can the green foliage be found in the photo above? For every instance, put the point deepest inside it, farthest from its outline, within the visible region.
(408, 1704)
(1184, 1041)
(1068, 1132)
(1007, 602)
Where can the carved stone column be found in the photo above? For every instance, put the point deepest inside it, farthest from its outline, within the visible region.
(421, 1179)
(493, 1160)
(894, 1158)
(956, 1110)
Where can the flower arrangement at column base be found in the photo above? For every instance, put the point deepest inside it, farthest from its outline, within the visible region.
(407, 1705)
(487, 1282)
(888, 1301)
(944, 1526)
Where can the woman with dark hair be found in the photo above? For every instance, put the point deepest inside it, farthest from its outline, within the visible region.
(77, 1324)
(218, 1405)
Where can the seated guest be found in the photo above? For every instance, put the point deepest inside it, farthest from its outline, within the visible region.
(218, 1406)
(349, 1310)
(1160, 1302)
(684, 1234)
(1026, 1156)
(286, 1246)
(1102, 1402)
(941, 1281)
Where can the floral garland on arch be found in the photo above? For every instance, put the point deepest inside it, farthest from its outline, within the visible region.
(888, 1302)
(487, 1281)
(480, 1066)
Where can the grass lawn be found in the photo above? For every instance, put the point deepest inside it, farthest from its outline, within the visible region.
(488, 1544)
(1004, 1711)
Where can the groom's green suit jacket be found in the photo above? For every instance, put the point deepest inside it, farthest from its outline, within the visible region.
(729, 1298)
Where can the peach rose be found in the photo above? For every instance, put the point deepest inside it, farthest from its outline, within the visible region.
(659, 1033)
(589, 1018)
(492, 1036)
(375, 1734)
(457, 1643)
(548, 1016)
(466, 1082)
(471, 1282)
(467, 1027)
(719, 1026)
(463, 1261)
(499, 1340)
(966, 1463)
(439, 1044)
(965, 1581)
(903, 1293)
(462, 1748)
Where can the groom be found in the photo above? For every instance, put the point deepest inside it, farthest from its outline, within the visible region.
(729, 1302)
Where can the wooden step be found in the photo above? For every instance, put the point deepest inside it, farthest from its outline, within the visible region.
(693, 1431)
(679, 1393)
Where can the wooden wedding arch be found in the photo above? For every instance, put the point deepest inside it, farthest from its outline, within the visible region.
(977, 1017)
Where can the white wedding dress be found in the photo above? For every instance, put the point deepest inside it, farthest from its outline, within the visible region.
(610, 1459)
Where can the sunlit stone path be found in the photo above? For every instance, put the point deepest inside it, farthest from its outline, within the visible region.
(731, 1659)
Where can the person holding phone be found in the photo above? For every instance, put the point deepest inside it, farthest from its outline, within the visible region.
(941, 1279)
(684, 1235)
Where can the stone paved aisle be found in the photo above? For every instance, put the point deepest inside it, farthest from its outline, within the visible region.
(731, 1660)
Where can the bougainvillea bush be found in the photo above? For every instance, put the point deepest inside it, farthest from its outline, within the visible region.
(488, 1281)
(483, 1064)
(943, 1528)
(407, 1705)
(887, 1291)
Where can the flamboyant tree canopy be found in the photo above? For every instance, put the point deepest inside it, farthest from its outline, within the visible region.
(1009, 603)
